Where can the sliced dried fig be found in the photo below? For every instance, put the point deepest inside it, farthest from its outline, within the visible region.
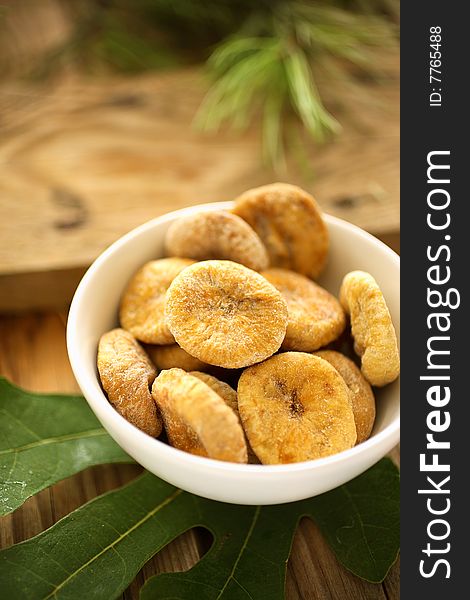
(375, 340)
(216, 235)
(143, 302)
(126, 374)
(225, 391)
(361, 394)
(290, 224)
(197, 420)
(295, 407)
(229, 395)
(225, 314)
(316, 318)
(172, 356)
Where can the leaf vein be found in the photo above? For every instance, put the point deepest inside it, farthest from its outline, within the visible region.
(28, 570)
(361, 524)
(242, 550)
(110, 546)
(55, 440)
(243, 588)
(22, 425)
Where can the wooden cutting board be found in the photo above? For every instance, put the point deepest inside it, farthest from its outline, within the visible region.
(82, 161)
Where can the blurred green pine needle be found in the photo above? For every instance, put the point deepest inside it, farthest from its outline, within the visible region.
(261, 56)
(274, 73)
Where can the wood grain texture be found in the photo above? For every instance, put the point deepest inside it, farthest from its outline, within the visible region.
(33, 355)
(83, 161)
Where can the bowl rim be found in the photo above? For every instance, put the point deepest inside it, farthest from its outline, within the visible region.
(102, 408)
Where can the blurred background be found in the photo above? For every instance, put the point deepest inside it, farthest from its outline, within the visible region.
(115, 111)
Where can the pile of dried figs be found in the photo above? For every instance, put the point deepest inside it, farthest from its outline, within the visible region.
(236, 303)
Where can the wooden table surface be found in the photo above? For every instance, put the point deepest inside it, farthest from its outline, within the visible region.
(71, 158)
(33, 355)
(83, 161)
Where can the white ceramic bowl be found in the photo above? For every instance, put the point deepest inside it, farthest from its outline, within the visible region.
(94, 310)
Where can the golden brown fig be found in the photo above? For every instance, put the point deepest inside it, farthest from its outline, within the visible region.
(143, 302)
(290, 224)
(225, 391)
(316, 318)
(197, 420)
(126, 375)
(229, 395)
(295, 407)
(219, 235)
(361, 394)
(225, 314)
(172, 356)
(374, 336)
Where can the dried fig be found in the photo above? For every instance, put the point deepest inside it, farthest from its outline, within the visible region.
(375, 340)
(196, 418)
(229, 395)
(316, 318)
(290, 224)
(225, 314)
(172, 356)
(225, 391)
(126, 375)
(143, 302)
(217, 235)
(361, 394)
(295, 407)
